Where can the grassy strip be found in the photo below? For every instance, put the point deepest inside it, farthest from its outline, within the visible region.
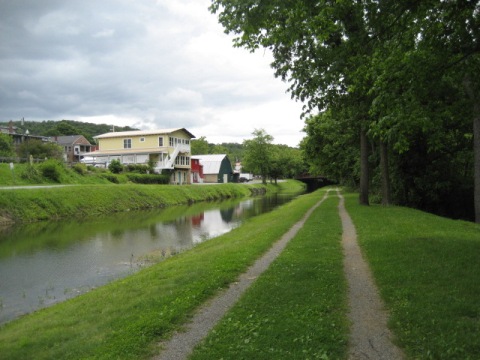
(87, 200)
(297, 308)
(427, 269)
(125, 319)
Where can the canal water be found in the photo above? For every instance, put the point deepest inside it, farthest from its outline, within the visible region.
(48, 262)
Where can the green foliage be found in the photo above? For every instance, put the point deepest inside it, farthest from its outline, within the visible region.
(115, 166)
(66, 127)
(148, 178)
(6, 146)
(31, 174)
(39, 150)
(111, 177)
(52, 170)
(382, 69)
(137, 168)
(258, 153)
(199, 146)
(81, 169)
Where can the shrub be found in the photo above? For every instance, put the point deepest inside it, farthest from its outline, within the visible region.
(80, 168)
(111, 178)
(137, 168)
(115, 166)
(31, 174)
(52, 170)
(148, 178)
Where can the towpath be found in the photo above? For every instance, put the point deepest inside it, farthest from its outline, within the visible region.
(369, 335)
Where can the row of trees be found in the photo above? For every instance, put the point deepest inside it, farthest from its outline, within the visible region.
(394, 84)
(36, 148)
(65, 127)
(257, 155)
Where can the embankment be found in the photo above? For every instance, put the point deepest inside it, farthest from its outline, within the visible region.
(28, 205)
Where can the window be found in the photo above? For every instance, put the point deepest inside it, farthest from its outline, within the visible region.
(171, 142)
(127, 143)
(142, 139)
(160, 141)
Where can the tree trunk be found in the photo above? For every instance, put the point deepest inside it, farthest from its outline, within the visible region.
(364, 178)
(476, 144)
(386, 194)
(476, 152)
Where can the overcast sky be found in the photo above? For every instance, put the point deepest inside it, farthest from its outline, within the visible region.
(142, 63)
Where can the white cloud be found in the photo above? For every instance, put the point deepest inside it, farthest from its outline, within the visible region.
(143, 64)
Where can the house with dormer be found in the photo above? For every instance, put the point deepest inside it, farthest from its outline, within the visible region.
(167, 149)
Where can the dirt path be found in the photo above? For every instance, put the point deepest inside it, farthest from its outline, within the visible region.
(370, 337)
(181, 344)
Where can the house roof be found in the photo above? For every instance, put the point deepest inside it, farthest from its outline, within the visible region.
(211, 163)
(142, 133)
(69, 139)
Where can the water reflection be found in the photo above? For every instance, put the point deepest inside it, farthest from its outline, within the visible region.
(48, 262)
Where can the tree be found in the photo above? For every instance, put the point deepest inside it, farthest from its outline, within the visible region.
(6, 145)
(285, 162)
(331, 148)
(199, 146)
(258, 154)
(40, 150)
(320, 47)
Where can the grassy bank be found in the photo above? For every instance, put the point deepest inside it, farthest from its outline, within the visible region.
(297, 308)
(125, 319)
(427, 269)
(90, 200)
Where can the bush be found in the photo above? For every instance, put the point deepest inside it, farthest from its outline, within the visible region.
(52, 170)
(31, 174)
(148, 178)
(137, 168)
(115, 166)
(111, 178)
(80, 168)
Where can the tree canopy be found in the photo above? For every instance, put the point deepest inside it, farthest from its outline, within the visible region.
(399, 80)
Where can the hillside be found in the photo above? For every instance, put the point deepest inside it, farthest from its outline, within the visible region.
(65, 127)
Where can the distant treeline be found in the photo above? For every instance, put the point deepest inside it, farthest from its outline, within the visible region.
(65, 127)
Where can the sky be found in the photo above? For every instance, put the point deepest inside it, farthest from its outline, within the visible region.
(141, 63)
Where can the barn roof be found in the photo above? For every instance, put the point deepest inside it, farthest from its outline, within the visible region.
(211, 163)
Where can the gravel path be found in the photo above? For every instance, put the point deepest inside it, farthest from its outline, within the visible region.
(181, 344)
(370, 337)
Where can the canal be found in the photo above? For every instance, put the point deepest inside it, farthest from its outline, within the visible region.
(48, 262)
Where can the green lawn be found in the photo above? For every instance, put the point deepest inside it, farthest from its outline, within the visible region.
(297, 308)
(427, 268)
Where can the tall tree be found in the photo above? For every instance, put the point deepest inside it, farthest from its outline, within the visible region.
(320, 47)
(258, 154)
(6, 145)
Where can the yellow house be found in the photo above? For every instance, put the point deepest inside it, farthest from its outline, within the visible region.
(168, 149)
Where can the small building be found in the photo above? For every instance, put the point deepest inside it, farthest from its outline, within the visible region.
(216, 168)
(74, 146)
(167, 149)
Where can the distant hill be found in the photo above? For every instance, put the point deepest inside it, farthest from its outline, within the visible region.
(65, 127)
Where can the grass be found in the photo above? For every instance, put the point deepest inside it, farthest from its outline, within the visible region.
(427, 269)
(297, 308)
(27, 205)
(125, 319)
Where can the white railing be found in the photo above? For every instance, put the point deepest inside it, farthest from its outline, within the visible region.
(169, 162)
